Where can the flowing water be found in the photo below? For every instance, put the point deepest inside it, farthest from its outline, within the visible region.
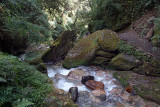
(116, 95)
(106, 78)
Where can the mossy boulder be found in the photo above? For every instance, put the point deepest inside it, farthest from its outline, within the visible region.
(60, 47)
(123, 62)
(145, 86)
(35, 58)
(83, 52)
(108, 40)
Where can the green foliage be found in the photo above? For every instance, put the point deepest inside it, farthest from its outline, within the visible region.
(116, 14)
(131, 50)
(21, 84)
(24, 18)
(156, 37)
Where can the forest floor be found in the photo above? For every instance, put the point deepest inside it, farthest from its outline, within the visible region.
(136, 35)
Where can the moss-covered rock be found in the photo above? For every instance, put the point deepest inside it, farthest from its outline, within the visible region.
(35, 58)
(105, 54)
(123, 62)
(145, 86)
(101, 61)
(60, 47)
(108, 40)
(83, 52)
(61, 99)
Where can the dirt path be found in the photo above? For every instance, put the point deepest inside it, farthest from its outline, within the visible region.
(134, 39)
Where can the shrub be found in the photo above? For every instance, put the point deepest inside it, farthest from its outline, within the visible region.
(21, 84)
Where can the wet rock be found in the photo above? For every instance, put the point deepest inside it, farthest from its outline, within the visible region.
(126, 96)
(94, 85)
(117, 91)
(145, 86)
(123, 62)
(100, 73)
(76, 74)
(99, 94)
(74, 93)
(86, 78)
(60, 47)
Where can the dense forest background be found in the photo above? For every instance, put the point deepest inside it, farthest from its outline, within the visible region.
(35, 21)
(27, 23)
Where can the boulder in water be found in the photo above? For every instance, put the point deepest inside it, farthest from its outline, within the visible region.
(86, 78)
(76, 74)
(74, 93)
(99, 94)
(94, 85)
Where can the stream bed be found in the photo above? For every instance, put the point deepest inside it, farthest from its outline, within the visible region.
(116, 96)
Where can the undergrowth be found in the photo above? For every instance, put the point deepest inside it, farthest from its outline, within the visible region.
(21, 84)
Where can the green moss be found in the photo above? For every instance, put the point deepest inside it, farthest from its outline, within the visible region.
(83, 52)
(101, 60)
(123, 62)
(36, 56)
(105, 54)
(145, 86)
(122, 79)
(109, 40)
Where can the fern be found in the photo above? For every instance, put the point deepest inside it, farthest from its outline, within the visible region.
(22, 103)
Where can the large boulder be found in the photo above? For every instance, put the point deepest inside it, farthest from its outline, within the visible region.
(108, 40)
(145, 86)
(123, 62)
(84, 52)
(60, 47)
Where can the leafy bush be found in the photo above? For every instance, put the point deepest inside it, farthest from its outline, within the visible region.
(21, 84)
(25, 18)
